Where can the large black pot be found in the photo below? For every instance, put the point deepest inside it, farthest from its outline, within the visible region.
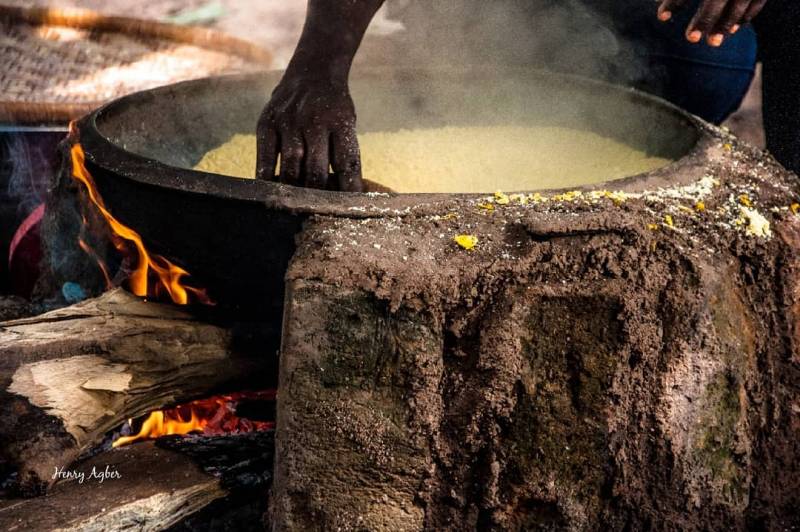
(236, 236)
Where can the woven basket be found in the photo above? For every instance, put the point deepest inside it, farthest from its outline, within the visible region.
(57, 64)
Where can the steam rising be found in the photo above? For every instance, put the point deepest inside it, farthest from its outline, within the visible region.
(566, 36)
(30, 167)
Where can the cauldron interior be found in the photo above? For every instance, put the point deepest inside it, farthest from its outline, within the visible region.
(177, 125)
(237, 236)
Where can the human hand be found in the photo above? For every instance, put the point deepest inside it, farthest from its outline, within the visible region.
(311, 124)
(714, 18)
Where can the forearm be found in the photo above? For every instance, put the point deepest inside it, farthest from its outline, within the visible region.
(331, 36)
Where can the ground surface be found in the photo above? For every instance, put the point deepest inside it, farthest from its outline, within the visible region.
(276, 25)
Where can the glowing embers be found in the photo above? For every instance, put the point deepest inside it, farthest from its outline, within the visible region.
(213, 416)
(153, 274)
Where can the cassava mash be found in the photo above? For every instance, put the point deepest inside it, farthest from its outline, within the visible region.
(470, 159)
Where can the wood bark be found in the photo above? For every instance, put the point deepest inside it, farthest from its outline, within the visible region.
(141, 488)
(70, 376)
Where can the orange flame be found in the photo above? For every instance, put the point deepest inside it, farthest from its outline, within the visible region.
(215, 415)
(89, 251)
(168, 275)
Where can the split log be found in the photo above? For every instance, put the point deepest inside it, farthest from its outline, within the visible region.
(70, 376)
(140, 487)
(191, 482)
(597, 361)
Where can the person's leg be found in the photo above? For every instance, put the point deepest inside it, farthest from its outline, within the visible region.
(709, 82)
(778, 29)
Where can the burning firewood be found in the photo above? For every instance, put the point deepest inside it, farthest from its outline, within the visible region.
(211, 416)
(70, 376)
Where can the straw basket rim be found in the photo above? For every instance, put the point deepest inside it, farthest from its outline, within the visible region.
(49, 112)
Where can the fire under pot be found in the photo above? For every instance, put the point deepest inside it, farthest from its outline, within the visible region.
(236, 236)
(609, 355)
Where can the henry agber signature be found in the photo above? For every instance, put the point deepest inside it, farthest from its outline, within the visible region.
(96, 475)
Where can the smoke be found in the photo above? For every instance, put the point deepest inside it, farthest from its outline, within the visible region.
(27, 162)
(30, 168)
(570, 36)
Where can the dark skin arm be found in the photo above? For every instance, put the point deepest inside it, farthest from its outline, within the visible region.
(310, 119)
(714, 18)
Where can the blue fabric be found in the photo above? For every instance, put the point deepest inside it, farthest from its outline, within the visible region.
(709, 82)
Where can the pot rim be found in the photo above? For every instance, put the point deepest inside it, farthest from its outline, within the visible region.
(104, 153)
